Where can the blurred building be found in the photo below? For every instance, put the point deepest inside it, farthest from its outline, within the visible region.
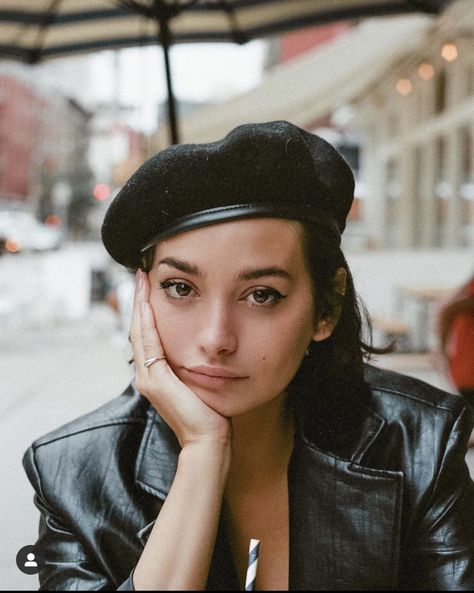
(133, 153)
(22, 118)
(295, 44)
(418, 123)
(43, 149)
(75, 174)
(116, 150)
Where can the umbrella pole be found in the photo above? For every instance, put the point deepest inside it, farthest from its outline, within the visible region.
(164, 33)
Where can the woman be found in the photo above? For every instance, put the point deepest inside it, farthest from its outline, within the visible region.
(252, 414)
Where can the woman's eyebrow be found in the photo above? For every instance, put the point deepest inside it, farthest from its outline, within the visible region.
(182, 266)
(249, 274)
(254, 273)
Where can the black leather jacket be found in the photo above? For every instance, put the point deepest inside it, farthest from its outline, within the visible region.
(393, 508)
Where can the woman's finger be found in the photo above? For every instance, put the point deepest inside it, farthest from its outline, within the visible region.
(152, 347)
(135, 326)
(151, 343)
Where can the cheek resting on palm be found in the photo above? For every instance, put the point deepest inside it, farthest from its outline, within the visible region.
(180, 407)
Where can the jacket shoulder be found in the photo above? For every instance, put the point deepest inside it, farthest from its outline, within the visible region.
(128, 408)
(392, 391)
(99, 444)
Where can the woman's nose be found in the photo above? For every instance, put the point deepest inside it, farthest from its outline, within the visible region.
(218, 334)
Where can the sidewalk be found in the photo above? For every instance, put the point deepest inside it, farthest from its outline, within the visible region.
(51, 376)
(48, 377)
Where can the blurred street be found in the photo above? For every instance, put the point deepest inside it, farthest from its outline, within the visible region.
(49, 377)
(53, 375)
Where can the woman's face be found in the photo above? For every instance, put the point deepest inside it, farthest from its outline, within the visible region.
(234, 309)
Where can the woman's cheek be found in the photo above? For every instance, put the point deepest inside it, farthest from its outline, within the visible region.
(295, 336)
(171, 328)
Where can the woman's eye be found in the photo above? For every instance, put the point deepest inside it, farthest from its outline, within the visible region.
(266, 296)
(175, 289)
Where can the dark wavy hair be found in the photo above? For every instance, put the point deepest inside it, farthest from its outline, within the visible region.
(330, 382)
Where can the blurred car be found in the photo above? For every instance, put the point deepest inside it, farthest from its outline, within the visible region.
(21, 232)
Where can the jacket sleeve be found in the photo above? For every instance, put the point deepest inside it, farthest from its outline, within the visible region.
(68, 566)
(441, 557)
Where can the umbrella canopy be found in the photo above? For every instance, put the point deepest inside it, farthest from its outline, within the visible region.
(35, 30)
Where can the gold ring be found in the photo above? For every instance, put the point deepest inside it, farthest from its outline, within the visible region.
(149, 361)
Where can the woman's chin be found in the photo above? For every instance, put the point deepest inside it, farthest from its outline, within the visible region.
(225, 404)
(221, 404)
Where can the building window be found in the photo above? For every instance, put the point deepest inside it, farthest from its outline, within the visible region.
(443, 191)
(467, 187)
(393, 191)
(470, 78)
(440, 92)
(392, 125)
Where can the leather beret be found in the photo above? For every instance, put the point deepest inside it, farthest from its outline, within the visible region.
(273, 169)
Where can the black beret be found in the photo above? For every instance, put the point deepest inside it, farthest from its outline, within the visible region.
(273, 169)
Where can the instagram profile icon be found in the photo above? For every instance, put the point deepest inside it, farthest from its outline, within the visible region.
(29, 560)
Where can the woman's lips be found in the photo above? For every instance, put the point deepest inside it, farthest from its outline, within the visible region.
(214, 371)
(205, 380)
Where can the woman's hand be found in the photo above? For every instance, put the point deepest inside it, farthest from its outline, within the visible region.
(190, 419)
(186, 526)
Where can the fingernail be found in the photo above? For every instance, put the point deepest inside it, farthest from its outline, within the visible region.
(139, 279)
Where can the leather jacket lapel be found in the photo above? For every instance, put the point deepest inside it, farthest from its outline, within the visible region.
(155, 466)
(344, 518)
(157, 458)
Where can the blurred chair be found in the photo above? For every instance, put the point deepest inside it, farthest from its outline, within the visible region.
(395, 330)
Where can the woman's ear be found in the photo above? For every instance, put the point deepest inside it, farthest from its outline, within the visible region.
(328, 320)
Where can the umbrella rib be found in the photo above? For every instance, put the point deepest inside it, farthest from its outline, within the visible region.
(137, 7)
(237, 34)
(47, 18)
(159, 10)
(428, 6)
(162, 13)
